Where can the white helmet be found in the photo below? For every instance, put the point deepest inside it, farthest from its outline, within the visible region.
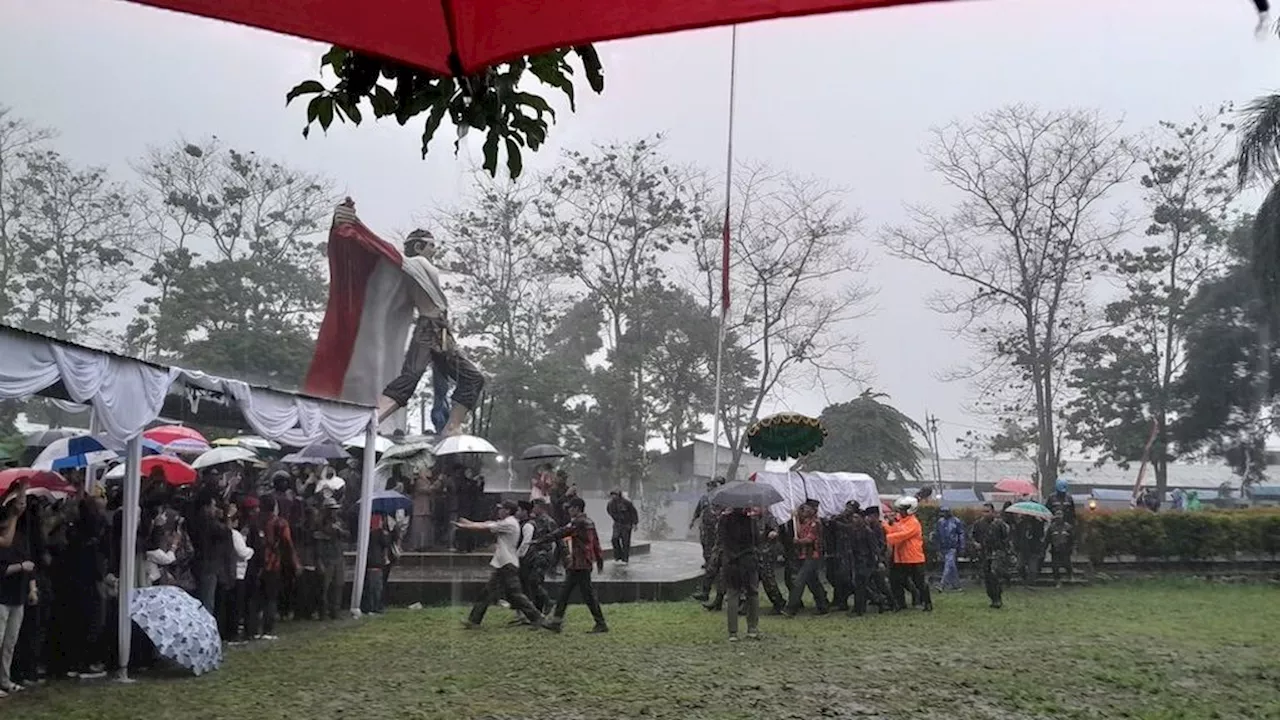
(906, 504)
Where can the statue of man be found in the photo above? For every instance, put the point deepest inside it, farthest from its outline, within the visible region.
(432, 345)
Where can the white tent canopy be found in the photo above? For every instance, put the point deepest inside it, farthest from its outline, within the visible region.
(831, 490)
(127, 395)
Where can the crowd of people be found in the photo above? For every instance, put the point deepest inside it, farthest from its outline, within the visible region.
(527, 544)
(876, 561)
(252, 545)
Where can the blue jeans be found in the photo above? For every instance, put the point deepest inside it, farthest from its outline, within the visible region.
(950, 571)
(208, 593)
(439, 398)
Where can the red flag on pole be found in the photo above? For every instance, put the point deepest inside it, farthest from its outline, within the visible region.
(724, 264)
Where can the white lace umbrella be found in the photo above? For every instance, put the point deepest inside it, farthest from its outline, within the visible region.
(459, 444)
(222, 455)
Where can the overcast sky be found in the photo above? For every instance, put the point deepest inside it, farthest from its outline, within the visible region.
(847, 97)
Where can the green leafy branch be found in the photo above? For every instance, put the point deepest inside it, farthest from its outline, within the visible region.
(490, 101)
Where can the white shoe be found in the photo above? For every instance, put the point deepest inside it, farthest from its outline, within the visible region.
(270, 637)
(3, 694)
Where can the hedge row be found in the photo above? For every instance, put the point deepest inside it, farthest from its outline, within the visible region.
(1165, 535)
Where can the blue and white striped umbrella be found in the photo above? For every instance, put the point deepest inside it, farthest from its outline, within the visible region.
(73, 452)
(179, 626)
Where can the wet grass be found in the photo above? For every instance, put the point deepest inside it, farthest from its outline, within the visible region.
(1154, 650)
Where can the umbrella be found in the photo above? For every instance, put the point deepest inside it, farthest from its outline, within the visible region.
(463, 38)
(171, 434)
(459, 444)
(380, 445)
(39, 482)
(250, 441)
(785, 436)
(407, 450)
(42, 438)
(223, 455)
(746, 494)
(328, 451)
(543, 452)
(76, 451)
(179, 626)
(186, 447)
(1017, 486)
(176, 472)
(1032, 509)
(300, 459)
(388, 502)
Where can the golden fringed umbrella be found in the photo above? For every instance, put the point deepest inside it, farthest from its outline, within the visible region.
(785, 436)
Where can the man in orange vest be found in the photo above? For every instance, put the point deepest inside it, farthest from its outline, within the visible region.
(907, 540)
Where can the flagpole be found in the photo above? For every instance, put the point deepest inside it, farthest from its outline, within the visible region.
(724, 256)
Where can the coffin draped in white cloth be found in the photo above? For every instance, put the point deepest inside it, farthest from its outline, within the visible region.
(831, 490)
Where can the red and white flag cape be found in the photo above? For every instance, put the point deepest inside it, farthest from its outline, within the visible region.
(366, 323)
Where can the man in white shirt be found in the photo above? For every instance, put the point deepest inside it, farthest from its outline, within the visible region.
(433, 344)
(504, 581)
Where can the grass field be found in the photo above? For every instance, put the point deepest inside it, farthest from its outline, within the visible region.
(1165, 650)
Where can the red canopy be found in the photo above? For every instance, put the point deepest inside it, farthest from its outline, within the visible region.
(486, 32)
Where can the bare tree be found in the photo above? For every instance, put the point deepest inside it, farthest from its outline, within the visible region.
(796, 284)
(76, 240)
(18, 137)
(1022, 243)
(617, 213)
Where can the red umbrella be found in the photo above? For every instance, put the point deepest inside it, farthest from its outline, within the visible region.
(475, 34)
(170, 434)
(176, 472)
(1017, 486)
(36, 480)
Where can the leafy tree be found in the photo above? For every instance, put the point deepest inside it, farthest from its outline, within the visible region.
(869, 435)
(1258, 162)
(18, 138)
(1232, 368)
(1126, 379)
(516, 306)
(75, 244)
(616, 212)
(1023, 242)
(797, 283)
(495, 101)
(236, 262)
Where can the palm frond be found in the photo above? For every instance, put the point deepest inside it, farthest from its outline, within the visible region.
(1265, 260)
(1258, 155)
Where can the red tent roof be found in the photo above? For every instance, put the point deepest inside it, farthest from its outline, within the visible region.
(487, 32)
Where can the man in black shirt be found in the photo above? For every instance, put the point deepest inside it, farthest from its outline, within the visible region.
(625, 518)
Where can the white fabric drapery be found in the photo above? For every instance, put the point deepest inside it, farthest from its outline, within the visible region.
(127, 395)
(831, 490)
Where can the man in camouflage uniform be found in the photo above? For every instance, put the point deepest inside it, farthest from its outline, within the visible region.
(992, 543)
(708, 516)
(768, 551)
(540, 556)
(1061, 535)
(840, 560)
(1028, 540)
(878, 562)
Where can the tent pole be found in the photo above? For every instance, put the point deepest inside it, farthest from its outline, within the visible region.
(364, 512)
(128, 550)
(724, 260)
(95, 429)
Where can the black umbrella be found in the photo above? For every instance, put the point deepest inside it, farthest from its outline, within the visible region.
(45, 438)
(543, 452)
(746, 494)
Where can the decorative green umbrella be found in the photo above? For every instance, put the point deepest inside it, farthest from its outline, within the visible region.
(1031, 509)
(785, 436)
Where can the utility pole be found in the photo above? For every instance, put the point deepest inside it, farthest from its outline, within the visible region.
(931, 436)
